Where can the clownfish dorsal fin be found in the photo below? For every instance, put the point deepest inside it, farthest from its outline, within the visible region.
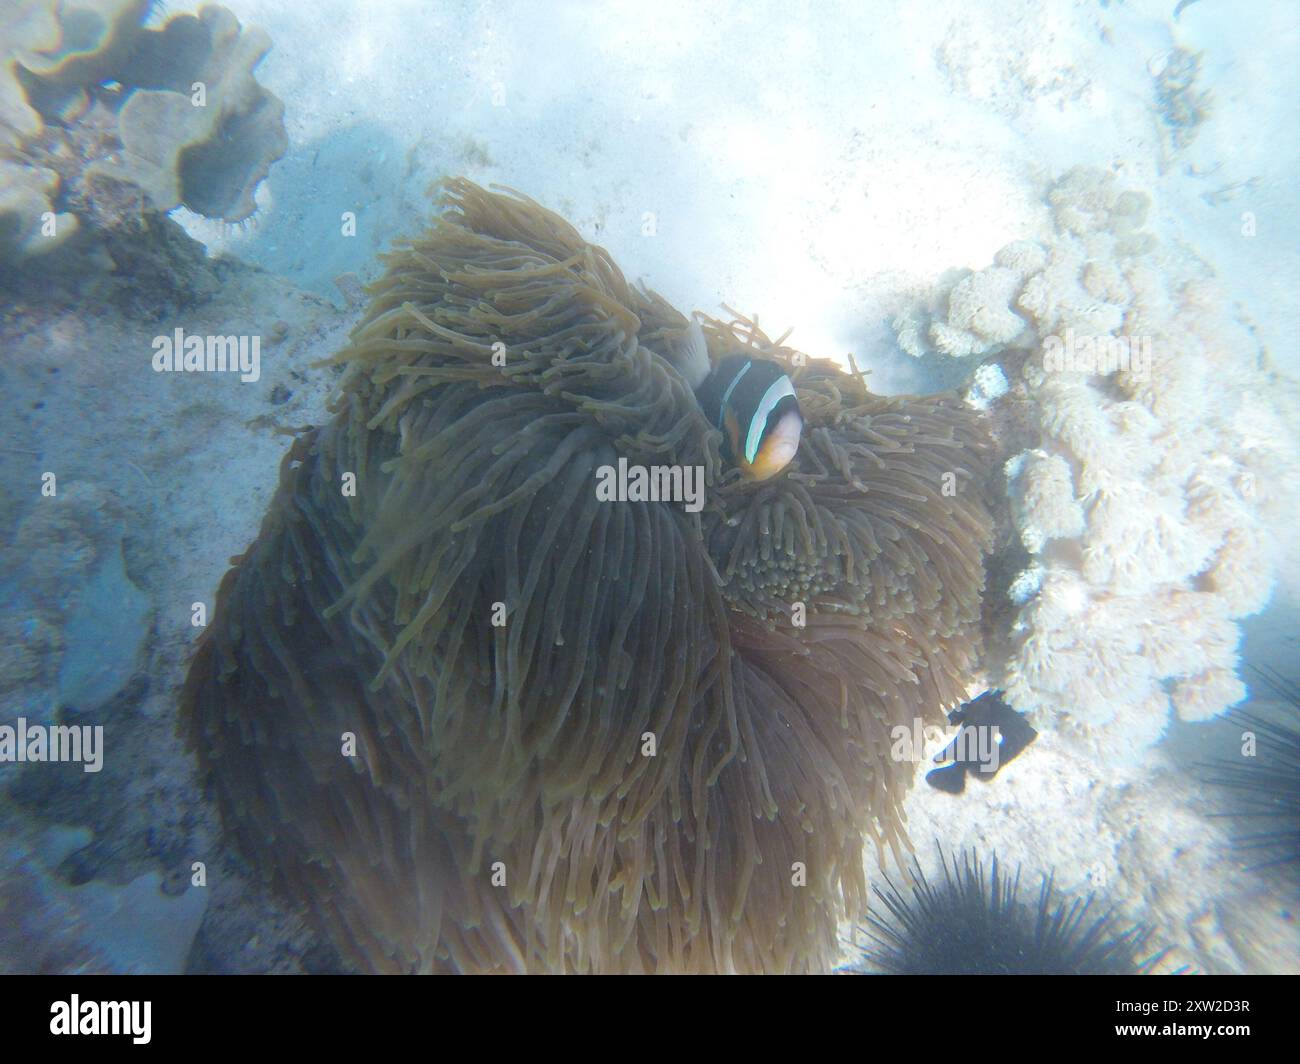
(692, 360)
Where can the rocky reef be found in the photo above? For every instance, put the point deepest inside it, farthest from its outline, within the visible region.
(78, 893)
(55, 927)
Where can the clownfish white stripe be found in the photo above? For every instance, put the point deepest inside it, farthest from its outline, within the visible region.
(777, 391)
(731, 388)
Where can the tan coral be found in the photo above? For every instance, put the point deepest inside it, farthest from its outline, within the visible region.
(209, 151)
(97, 109)
(29, 224)
(93, 38)
(56, 49)
(29, 29)
(1183, 632)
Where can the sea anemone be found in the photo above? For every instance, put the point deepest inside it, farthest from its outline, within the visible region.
(976, 924)
(476, 719)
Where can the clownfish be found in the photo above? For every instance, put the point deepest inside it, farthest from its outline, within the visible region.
(751, 401)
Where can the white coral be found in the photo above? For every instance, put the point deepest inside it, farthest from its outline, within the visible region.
(1207, 695)
(1043, 503)
(979, 315)
(988, 384)
(1152, 499)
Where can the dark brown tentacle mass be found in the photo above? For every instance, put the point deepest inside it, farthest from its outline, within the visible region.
(519, 750)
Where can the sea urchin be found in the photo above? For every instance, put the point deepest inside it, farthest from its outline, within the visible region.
(1263, 778)
(976, 924)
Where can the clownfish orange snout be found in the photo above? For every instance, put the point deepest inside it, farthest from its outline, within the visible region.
(779, 446)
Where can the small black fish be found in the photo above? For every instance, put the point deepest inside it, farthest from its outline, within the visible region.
(991, 734)
(751, 401)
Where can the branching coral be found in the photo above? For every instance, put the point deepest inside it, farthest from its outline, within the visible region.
(590, 735)
(1150, 474)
